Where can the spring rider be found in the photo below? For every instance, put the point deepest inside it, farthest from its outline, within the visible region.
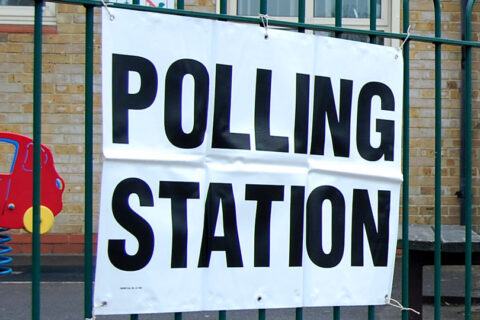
(16, 189)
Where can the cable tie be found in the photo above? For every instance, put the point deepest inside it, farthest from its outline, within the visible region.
(394, 303)
(112, 17)
(406, 38)
(264, 18)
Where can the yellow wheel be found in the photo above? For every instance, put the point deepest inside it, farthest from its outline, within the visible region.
(46, 219)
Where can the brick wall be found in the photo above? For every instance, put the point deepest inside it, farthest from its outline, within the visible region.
(200, 5)
(51, 243)
(62, 109)
(63, 112)
(422, 115)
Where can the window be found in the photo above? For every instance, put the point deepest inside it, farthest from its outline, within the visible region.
(351, 9)
(21, 12)
(276, 8)
(8, 152)
(356, 13)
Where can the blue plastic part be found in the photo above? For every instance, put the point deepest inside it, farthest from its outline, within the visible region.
(3, 250)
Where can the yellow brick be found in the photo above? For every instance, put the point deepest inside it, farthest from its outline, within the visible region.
(20, 37)
(20, 78)
(58, 38)
(71, 28)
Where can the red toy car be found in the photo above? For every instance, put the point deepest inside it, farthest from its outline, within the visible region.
(16, 184)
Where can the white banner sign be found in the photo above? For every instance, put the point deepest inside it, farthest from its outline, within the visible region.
(245, 171)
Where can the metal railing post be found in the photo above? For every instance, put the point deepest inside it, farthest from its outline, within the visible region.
(468, 162)
(223, 6)
(338, 23)
(373, 39)
(338, 17)
(88, 193)
(263, 6)
(438, 165)
(37, 132)
(301, 19)
(222, 315)
(262, 314)
(405, 159)
(263, 10)
(301, 14)
(373, 19)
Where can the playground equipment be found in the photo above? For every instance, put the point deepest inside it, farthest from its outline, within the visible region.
(16, 189)
(3, 250)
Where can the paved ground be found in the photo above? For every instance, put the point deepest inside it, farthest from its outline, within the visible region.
(62, 297)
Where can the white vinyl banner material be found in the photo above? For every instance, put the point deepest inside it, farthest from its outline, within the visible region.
(245, 168)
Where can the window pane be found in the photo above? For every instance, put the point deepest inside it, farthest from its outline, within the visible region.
(354, 37)
(351, 8)
(17, 2)
(279, 8)
(7, 156)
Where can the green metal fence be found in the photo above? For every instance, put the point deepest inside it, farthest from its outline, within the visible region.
(301, 26)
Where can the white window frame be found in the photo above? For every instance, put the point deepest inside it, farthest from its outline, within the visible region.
(389, 20)
(24, 15)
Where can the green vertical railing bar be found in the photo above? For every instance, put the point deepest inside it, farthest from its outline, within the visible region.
(223, 6)
(263, 6)
(405, 159)
(373, 20)
(338, 16)
(222, 315)
(301, 19)
(263, 10)
(301, 14)
(338, 23)
(468, 163)
(298, 313)
(373, 39)
(37, 132)
(180, 6)
(262, 314)
(88, 193)
(438, 165)
(134, 316)
(336, 313)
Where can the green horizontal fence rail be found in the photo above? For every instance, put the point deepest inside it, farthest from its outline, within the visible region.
(301, 26)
